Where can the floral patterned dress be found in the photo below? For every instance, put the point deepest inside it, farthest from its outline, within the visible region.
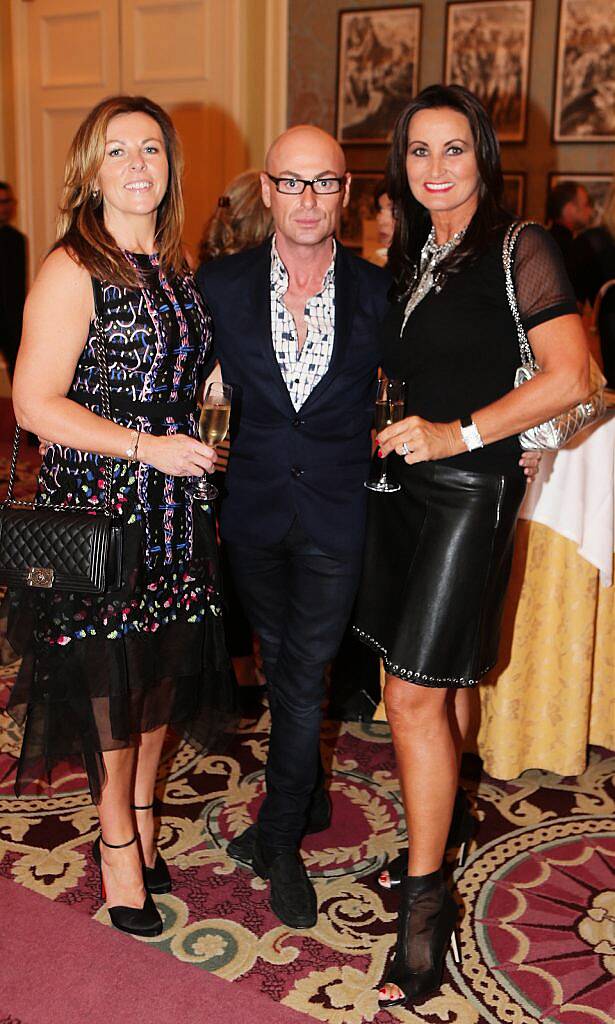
(97, 670)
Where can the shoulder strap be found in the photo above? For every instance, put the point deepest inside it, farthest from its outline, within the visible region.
(510, 240)
(100, 351)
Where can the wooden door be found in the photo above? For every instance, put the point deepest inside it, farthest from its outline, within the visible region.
(67, 59)
(218, 66)
(184, 55)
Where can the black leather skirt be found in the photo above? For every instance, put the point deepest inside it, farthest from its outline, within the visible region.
(437, 562)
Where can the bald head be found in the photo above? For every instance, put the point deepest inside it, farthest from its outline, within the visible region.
(305, 142)
(305, 220)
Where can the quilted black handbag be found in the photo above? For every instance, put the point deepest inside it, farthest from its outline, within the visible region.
(56, 547)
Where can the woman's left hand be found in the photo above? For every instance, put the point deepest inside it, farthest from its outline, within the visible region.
(418, 440)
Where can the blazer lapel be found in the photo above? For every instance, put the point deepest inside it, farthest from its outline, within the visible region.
(345, 299)
(261, 309)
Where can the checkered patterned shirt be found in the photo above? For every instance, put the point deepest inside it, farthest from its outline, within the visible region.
(302, 370)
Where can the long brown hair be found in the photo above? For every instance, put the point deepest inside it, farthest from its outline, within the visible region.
(240, 221)
(81, 226)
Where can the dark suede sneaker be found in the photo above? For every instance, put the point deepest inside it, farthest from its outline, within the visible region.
(292, 896)
(241, 847)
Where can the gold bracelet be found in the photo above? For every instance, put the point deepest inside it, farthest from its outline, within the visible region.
(137, 444)
(131, 453)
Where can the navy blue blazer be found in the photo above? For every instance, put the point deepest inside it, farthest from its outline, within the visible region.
(311, 463)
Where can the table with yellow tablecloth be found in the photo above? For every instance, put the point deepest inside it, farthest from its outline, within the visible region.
(553, 691)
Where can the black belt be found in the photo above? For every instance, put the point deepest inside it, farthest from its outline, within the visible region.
(150, 410)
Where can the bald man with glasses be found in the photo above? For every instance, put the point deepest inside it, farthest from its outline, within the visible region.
(296, 333)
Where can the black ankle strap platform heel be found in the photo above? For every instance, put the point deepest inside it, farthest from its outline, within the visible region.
(157, 880)
(144, 921)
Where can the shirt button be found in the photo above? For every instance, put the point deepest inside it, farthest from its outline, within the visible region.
(296, 472)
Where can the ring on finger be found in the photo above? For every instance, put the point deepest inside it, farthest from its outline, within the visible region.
(404, 449)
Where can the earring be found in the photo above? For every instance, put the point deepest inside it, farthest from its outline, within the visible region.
(95, 193)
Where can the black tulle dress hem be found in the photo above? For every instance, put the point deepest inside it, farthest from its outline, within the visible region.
(78, 699)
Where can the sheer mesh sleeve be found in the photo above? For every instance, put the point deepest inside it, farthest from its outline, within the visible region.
(542, 285)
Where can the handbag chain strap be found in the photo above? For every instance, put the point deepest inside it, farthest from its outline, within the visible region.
(510, 240)
(100, 352)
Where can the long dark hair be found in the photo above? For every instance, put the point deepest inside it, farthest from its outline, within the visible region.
(412, 220)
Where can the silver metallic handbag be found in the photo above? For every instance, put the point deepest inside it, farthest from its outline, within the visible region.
(556, 432)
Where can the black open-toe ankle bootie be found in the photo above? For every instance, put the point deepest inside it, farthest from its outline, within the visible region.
(464, 827)
(144, 921)
(157, 879)
(426, 927)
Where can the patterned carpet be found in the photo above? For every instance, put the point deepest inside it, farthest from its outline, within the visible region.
(537, 890)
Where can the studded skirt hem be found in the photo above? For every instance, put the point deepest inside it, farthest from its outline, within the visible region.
(415, 675)
(436, 568)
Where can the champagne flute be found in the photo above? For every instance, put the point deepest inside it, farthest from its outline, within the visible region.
(390, 408)
(213, 428)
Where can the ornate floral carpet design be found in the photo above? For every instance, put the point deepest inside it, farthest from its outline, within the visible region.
(538, 889)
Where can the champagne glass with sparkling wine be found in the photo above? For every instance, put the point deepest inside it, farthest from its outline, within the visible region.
(213, 428)
(390, 408)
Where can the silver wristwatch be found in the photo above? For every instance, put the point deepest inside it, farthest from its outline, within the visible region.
(470, 434)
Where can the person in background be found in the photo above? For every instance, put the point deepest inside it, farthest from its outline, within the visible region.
(239, 222)
(604, 327)
(595, 251)
(569, 211)
(103, 676)
(385, 219)
(12, 278)
(438, 552)
(354, 691)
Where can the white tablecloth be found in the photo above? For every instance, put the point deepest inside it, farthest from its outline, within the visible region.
(574, 494)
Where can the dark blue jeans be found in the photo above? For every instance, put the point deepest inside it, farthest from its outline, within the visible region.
(298, 599)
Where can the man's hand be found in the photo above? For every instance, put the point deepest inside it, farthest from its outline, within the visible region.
(531, 464)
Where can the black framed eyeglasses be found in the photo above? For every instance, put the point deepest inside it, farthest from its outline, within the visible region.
(296, 186)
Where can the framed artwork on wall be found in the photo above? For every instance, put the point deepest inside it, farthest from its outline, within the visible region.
(513, 199)
(360, 209)
(597, 186)
(584, 97)
(488, 51)
(377, 70)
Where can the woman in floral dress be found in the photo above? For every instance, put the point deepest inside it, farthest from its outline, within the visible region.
(103, 676)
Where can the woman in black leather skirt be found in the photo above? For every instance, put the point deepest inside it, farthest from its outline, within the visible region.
(438, 552)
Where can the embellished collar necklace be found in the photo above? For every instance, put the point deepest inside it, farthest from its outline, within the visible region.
(436, 253)
(431, 255)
